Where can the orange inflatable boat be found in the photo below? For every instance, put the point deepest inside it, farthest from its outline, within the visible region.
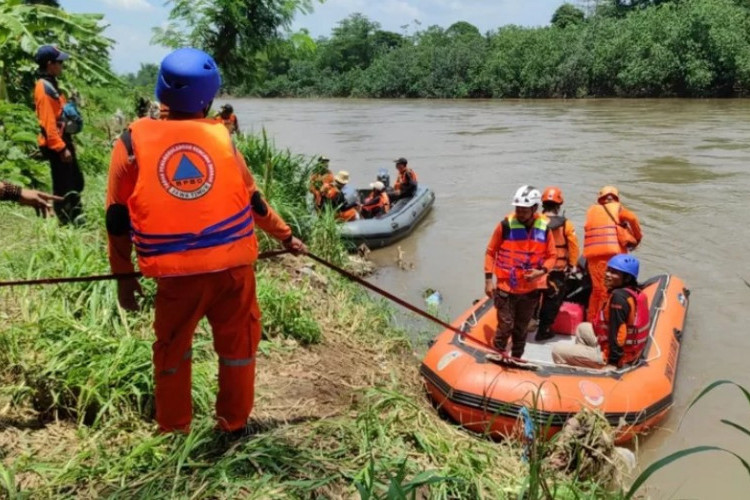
(466, 380)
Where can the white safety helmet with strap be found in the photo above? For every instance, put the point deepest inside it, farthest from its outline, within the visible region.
(527, 196)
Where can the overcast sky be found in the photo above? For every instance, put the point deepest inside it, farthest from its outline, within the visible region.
(130, 21)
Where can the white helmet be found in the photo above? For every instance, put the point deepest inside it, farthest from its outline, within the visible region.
(527, 196)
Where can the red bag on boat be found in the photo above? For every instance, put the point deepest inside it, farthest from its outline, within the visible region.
(568, 319)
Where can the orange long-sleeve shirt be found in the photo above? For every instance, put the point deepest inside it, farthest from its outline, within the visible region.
(49, 104)
(496, 241)
(632, 221)
(574, 248)
(123, 175)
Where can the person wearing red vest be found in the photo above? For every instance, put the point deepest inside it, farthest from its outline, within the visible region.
(182, 194)
(566, 247)
(610, 229)
(520, 253)
(376, 203)
(55, 141)
(620, 332)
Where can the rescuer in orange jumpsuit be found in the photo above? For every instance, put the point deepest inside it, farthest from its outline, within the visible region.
(610, 229)
(55, 140)
(183, 193)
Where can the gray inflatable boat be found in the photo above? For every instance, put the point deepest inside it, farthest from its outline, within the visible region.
(399, 222)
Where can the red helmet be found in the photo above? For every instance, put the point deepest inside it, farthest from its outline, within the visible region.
(552, 194)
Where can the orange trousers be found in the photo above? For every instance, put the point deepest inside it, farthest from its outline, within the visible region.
(227, 298)
(597, 267)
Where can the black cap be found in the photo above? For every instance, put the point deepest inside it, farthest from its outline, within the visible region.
(47, 53)
(400, 160)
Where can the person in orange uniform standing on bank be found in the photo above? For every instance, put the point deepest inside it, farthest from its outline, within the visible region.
(610, 229)
(566, 246)
(520, 253)
(55, 141)
(183, 193)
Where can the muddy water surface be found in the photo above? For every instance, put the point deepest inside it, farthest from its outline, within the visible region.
(683, 166)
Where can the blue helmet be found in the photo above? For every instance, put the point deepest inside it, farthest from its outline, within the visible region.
(625, 263)
(188, 80)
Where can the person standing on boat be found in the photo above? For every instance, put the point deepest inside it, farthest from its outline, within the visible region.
(56, 135)
(520, 253)
(610, 229)
(620, 331)
(406, 182)
(334, 196)
(376, 202)
(185, 194)
(566, 246)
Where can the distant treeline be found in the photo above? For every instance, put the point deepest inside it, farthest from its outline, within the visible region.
(636, 48)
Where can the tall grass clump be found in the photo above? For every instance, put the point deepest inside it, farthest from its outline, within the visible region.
(325, 237)
(283, 179)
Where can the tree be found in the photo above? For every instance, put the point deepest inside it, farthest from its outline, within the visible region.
(567, 15)
(234, 32)
(145, 77)
(352, 44)
(25, 26)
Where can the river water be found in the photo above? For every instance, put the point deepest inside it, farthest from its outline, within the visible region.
(681, 165)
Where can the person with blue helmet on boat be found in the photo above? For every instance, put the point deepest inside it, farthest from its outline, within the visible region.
(180, 189)
(621, 328)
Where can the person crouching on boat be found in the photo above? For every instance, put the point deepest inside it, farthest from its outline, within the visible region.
(335, 197)
(376, 203)
(620, 331)
(520, 253)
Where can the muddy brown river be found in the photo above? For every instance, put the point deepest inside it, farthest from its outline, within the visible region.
(682, 165)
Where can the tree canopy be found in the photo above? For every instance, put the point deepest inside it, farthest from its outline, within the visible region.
(26, 25)
(235, 32)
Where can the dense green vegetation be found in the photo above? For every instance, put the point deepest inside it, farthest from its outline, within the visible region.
(637, 48)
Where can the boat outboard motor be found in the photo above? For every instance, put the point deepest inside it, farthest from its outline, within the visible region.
(384, 177)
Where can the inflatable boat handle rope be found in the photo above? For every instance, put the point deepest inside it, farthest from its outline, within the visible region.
(498, 356)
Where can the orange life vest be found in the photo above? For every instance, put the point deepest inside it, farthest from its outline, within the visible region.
(190, 209)
(637, 327)
(376, 201)
(601, 231)
(318, 185)
(403, 178)
(522, 250)
(556, 226)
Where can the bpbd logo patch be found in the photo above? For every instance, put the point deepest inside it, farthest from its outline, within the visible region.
(186, 171)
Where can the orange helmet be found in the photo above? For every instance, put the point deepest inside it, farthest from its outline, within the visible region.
(552, 194)
(607, 190)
